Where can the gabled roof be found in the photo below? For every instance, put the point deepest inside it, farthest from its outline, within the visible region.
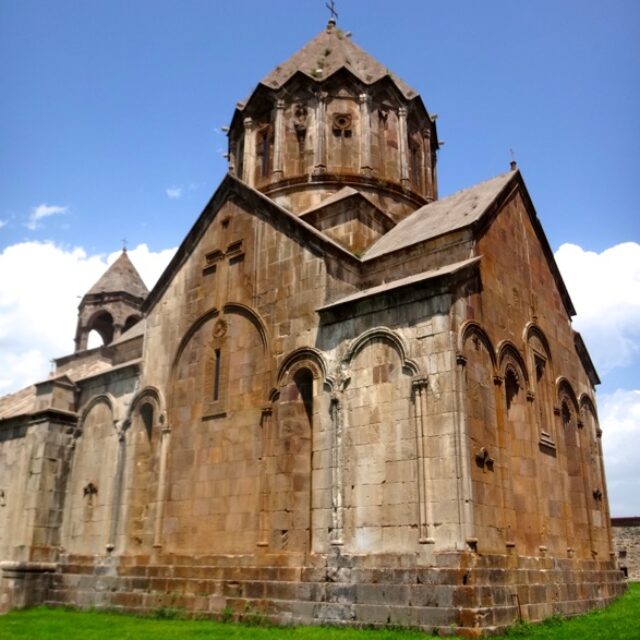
(469, 207)
(18, 403)
(338, 196)
(260, 205)
(456, 211)
(330, 51)
(343, 195)
(120, 276)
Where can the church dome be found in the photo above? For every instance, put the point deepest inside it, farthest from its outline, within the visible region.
(329, 117)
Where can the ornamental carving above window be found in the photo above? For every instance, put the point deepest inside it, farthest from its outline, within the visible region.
(342, 123)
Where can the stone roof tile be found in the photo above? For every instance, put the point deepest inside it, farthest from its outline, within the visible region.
(121, 276)
(330, 51)
(18, 403)
(442, 216)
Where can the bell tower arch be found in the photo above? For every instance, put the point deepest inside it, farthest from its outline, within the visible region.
(112, 305)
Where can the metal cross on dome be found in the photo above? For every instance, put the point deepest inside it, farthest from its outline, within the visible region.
(331, 5)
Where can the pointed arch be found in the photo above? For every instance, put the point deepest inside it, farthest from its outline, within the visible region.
(509, 356)
(586, 403)
(564, 389)
(108, 399)
(532, 330)
(471, 328)
(103, 323)
(153, 396)
(207, 315)
(386, 335)
(253, 317)
(308, 357)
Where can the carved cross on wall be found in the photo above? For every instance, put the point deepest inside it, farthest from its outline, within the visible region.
(234, 253)
(484, 460)
(89, 490)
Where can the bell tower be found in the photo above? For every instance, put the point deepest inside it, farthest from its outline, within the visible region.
(112, 305)
(332, 117)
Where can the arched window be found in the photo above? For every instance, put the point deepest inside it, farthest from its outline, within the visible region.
(100, 329)
(415, 162)
(146, 413)
(130, 321)
(264, 145)
(511, 389)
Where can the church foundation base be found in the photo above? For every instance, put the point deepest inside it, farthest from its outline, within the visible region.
(472, 594)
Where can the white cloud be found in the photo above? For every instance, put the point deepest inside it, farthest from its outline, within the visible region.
(40, 288)
(620, 421)
(2, 223)
(43, 211)
(605, 289)
(174, 193)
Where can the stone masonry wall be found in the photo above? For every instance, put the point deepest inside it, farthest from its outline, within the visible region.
(626, 542)
(471, 594)
(539, 470)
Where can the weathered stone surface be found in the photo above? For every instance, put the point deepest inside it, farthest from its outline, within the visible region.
(348, 402)
(626, 542)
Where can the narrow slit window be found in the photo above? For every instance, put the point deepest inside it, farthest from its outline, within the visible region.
(415, 165)
(264, 152)
(216, 376)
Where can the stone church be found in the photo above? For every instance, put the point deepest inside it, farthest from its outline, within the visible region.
(347, 399)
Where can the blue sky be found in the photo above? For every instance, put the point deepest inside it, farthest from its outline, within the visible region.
(111, 117)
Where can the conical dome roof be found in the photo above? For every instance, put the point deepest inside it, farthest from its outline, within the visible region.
(328, 52)
(121, 276)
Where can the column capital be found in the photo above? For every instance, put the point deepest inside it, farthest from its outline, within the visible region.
(419, 382)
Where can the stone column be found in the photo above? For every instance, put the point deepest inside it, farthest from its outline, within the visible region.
(540, 519)
(365, 135)
(117, 331)
(320, 149)
(403, 146)
(116, 500)
(81, 340)
(585, 484)
(336, 473)
(161, 489)
(249, 159)
(263, 494)
(278, 142)
(561, 443)
(463, 470)
(419, 388)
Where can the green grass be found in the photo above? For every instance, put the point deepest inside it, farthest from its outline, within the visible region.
(621, 621)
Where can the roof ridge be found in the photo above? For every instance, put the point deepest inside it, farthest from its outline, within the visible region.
(441, 216)
(325, 54)
(121, 275)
